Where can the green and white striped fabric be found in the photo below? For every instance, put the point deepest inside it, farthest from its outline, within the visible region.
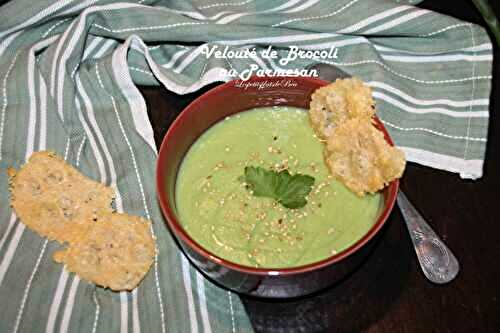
(68, 76)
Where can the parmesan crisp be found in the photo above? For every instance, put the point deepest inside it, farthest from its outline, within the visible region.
(116, 253)
(56, 200)
(337, 102)
(358, 155)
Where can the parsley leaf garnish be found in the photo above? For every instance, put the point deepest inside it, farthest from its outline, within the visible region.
(288, 190)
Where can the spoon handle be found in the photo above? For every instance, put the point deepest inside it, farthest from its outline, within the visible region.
(437, 261)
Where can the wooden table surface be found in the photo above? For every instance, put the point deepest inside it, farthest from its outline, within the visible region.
(389, 293)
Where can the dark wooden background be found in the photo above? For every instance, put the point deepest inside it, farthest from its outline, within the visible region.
(389, 293)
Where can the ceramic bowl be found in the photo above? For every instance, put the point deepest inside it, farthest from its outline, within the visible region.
(211, 107)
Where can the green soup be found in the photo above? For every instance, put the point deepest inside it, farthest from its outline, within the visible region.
(218, 211)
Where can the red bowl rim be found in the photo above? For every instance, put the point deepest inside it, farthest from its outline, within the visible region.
(179, 231)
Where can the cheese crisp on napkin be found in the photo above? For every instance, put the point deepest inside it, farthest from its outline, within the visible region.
(58, 202)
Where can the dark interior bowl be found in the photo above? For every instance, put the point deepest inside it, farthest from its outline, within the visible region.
(197, 117)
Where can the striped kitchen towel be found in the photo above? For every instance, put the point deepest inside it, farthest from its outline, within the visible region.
(68, 76)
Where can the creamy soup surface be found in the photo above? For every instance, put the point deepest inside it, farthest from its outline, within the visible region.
(223, 216)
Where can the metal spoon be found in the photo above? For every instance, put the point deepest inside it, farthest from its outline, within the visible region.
(436, 260)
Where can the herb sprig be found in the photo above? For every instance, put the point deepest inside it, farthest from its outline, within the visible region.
(290, 191)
